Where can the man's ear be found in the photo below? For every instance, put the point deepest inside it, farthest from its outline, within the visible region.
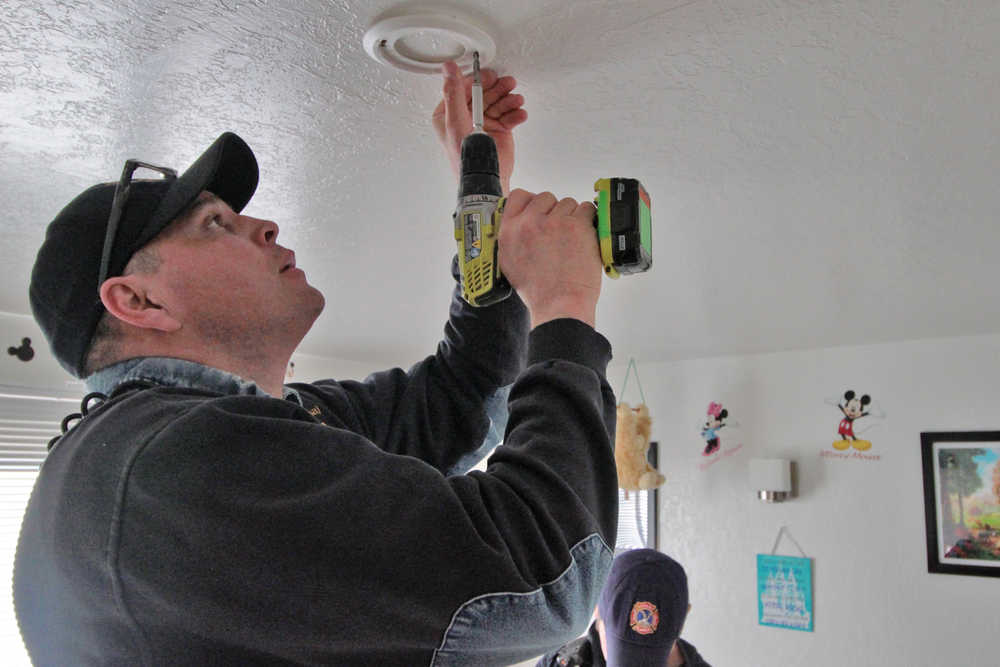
(127, 298)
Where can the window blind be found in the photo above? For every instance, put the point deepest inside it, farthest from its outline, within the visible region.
(637, 515)
(28, 420)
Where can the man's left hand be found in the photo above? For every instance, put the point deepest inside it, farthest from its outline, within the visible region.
(502, 112)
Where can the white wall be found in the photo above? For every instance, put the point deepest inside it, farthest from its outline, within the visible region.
(862, 522)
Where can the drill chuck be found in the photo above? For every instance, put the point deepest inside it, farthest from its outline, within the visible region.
(480, 166)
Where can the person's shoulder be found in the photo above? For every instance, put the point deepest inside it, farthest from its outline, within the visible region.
(235, 435)
(691, 656)
(181, 400)
(323, 389)
(161, 413)
(577, 653)
(141, 408)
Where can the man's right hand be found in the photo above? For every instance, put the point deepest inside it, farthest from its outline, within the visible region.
(549, 253)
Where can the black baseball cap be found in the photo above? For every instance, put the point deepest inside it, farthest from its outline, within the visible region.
(643, 606)
(64, 292)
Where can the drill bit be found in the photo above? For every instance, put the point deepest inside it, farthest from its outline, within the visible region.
(477, 95)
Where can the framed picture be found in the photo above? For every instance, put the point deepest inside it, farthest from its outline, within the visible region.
(962, 502)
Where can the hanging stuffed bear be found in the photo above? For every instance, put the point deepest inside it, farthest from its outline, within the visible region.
(631, 444)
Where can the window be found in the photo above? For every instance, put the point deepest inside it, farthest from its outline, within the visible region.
(637, 515)
(28, 420)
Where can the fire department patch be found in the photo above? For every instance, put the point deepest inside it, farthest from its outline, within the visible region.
(644, 618)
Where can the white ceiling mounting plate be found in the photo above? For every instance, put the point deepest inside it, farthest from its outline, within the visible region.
(421, 40)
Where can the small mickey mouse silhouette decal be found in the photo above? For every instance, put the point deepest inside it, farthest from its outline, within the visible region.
(24, 353)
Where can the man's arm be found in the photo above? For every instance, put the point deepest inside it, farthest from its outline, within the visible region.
(436, 410)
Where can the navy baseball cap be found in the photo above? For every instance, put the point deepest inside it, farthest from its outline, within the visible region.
(64, 292)
(643, 606)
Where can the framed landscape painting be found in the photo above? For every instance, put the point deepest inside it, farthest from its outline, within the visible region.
(962, 501)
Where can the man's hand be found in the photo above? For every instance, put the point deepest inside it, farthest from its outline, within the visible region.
(549, 253)
(502, 112)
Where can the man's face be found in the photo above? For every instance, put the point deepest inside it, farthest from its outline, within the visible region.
(224, 275)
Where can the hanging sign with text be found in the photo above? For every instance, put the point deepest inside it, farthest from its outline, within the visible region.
(784, 592)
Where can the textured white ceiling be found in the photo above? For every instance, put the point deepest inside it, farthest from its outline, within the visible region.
(822, 172)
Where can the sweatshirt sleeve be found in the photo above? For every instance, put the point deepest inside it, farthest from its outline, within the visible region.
(554, 486)
(249, 525)
(443, 407)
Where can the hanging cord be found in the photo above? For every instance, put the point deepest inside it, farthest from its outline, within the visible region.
(631, 365)
(639, 525)
(784, 531)
(76, 416)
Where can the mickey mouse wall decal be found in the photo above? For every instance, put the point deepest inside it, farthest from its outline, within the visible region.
(24, 352)
(853, 408)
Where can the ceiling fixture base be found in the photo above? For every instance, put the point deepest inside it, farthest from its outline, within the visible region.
(421, 40)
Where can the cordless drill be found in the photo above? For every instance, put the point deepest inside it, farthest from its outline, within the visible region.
(622, 218)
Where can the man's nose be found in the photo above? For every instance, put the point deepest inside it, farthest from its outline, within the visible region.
(265, 232)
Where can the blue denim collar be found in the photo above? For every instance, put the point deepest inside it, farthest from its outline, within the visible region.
(171, 372)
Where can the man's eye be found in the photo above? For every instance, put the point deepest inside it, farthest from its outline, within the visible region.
(217, 220)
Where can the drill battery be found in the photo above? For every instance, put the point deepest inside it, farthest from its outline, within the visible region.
(624, 226)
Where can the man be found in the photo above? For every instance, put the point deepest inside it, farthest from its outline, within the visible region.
(639, 619)
(204, 513)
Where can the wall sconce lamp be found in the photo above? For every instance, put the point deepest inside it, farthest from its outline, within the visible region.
(771, 478)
